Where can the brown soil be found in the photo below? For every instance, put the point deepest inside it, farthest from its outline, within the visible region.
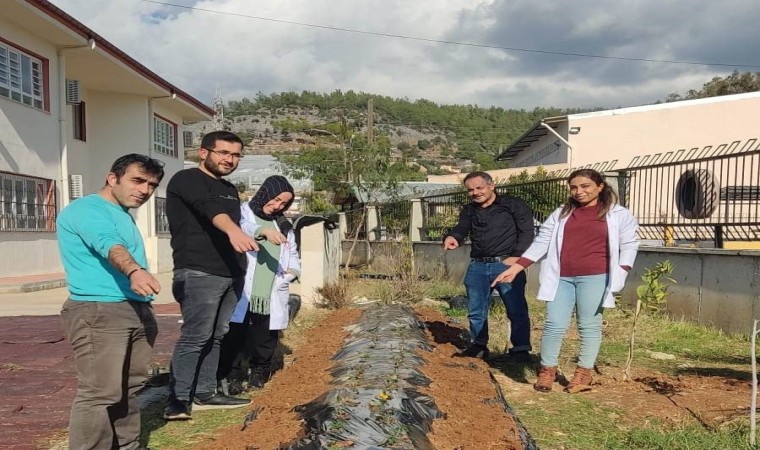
(464, 391)
(37, 383)
(461, 388)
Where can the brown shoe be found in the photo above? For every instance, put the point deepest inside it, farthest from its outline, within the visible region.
(545, 381)
(581, 381)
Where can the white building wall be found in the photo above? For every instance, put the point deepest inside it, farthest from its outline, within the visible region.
(30, 145)
(626, 133)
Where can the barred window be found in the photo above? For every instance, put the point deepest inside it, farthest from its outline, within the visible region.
(26, 203)
(164, 136)
(21, 77)
(162, 223)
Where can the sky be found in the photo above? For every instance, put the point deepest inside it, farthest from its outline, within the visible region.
(508, 53)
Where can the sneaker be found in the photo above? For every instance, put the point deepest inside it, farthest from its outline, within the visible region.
(473, 351)
(177, 410)
(218, 401)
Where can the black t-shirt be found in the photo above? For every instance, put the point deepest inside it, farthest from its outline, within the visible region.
(193, 199)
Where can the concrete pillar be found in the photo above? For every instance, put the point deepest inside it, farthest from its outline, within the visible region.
(319, 261)
(372, 223)
(415, 221)
(343, 225)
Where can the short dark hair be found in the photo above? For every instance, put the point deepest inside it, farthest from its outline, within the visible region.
(144, 162)
(209, 140)
(484, 175)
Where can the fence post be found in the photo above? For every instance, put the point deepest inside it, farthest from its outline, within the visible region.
(718, 236)
(373, 223)
(415, 221)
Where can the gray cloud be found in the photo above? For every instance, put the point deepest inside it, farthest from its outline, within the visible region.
(198, 50)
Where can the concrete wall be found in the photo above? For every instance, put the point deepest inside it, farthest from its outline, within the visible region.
(717, 288)
(30, 145)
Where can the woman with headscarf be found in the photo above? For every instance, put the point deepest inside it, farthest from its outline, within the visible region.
(262, 311)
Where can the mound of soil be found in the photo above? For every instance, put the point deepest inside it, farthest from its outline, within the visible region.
(474, 416)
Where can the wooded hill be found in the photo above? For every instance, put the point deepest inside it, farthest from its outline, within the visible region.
(421, 136)
(420, 131)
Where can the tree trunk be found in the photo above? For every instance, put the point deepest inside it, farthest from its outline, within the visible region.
(355, 238)
(629, 360)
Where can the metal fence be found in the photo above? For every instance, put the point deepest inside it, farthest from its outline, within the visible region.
(27, 203)
(394, 219)
(441, 212)
(709, 194)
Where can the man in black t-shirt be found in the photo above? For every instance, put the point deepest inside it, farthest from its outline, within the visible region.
(501, 229)
(209, 259)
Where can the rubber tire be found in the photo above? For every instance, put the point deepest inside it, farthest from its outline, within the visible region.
(697, 194)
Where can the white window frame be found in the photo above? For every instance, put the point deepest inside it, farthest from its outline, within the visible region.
(22, 77)
(164, 136)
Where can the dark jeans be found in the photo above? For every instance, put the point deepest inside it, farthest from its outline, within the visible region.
(478, 281)
(113, 345)
(250, 343)
(207, 302)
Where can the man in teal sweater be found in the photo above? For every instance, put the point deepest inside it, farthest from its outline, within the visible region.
(108, 318)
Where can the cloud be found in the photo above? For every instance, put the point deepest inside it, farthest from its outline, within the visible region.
(198, 49)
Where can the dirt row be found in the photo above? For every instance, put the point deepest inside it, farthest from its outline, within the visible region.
(473, 415)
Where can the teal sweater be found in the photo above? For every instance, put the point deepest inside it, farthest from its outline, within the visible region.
(87, 229)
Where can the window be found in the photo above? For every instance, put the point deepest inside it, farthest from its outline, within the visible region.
(188, 138)
(162, 223)
(78, 119)
(22, 77)
(26, 203)
(164, 136)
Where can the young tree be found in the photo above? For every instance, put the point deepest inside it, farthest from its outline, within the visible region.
(652, 296)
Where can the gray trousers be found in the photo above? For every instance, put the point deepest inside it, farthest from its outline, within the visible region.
(113, 345)
(207, 302)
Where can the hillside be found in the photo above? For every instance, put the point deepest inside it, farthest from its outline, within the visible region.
(427, 137)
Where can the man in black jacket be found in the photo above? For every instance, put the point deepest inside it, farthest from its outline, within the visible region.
(501, 229)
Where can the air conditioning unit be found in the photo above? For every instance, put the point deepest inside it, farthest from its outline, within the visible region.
(75, 186)
(73, 95)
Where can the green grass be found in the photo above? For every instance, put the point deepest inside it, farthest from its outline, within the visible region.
(572, 422)
(691, 437)
(158, 433)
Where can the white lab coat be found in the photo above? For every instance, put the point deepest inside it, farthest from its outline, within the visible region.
(278, 306)
(623, 246)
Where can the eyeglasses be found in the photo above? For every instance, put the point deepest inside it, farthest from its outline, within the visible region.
(225, 153)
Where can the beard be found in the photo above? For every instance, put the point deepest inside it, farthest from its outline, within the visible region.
(216, 169)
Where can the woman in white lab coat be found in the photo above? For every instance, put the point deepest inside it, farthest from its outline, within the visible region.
(586, 249)
(262, 310)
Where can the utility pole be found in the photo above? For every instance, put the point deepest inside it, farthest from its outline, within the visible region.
(370, 123)
(218, 120)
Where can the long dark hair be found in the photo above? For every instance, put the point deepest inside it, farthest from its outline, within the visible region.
(607, 198)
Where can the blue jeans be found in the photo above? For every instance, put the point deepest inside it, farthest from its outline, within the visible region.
(207, 302)
(478, 281)
(585, 295)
